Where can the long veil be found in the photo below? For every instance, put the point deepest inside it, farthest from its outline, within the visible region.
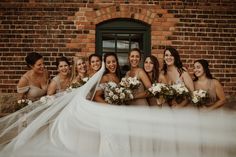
(70, 125)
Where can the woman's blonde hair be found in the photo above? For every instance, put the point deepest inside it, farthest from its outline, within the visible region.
(74, 68)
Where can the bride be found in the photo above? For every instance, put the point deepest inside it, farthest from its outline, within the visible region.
(71, 125)
(111, 74)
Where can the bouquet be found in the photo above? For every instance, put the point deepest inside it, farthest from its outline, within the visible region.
(79, 83)
(22, 103)
(116, 94)
(130, 82)
(84, 80)
(74, 85)
(162, 92)
(180, 92)
(158, 89)
(46, 99)
(168, 93)
(200, 97)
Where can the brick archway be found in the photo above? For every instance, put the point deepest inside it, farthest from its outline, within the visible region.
(124, 11)
(162, 24)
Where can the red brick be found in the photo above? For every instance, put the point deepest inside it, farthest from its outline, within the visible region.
(206, 30)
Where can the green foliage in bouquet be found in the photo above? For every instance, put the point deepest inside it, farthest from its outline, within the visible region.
(200, 97)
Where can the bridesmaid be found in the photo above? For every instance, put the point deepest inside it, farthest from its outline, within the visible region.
(140, 95)
(151, 67)
(205, 81)
(112, 73)
(174, 72)
(62, 80)
(33, 84)
(95, 63)
(79, 71)
(139, 145)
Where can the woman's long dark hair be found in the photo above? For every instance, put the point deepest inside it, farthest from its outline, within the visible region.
(94, 55)
(62, 59)
(118, 72)
(32, 58)
(155, 72)
(206, 69)
(177, 62)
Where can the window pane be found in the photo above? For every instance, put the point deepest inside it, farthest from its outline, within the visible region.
(122, 58)
(108, 42)
(136, 41)
(123, 43)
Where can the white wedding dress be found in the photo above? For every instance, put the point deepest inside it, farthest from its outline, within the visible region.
(72, 126)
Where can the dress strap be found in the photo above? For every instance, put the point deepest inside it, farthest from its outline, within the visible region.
(137, 75)
(24, 89)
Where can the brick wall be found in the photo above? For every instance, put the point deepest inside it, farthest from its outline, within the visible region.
(197, 28)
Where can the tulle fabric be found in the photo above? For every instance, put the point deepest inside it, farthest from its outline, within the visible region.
(70, 125)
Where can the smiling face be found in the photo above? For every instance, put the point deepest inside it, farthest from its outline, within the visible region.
(148, 65)
(134, 58)
(169, 58)
(39, 66)
(198, 69)
(63, 68)
(81, 66)
(95, 63)
(111, 64)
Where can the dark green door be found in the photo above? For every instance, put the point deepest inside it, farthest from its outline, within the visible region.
(120, 36)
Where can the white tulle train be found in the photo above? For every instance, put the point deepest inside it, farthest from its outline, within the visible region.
(70, 126)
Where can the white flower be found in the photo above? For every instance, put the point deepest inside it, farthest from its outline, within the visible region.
(29, 102)
(157, 88)
(43, 99)
(23, 102)
(180, 88)
(130, 82)
(122, 95)
(199, 96)
(112, 84)
(117, 90)
(110, 94)
(85, 79)
(107, 99)
(115, 97)
(195, 99)
(131, 96)
(115, 94)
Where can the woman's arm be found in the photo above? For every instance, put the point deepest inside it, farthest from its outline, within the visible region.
(220, 95)
(52, 88)
(188, 81)
(98, 97)
(146, 82)
(189, 84)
